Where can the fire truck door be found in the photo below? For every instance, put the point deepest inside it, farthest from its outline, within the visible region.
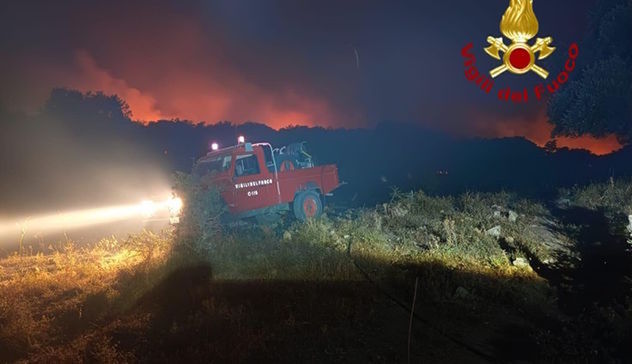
(255, 186)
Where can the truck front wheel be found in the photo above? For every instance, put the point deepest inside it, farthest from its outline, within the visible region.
(307, 204)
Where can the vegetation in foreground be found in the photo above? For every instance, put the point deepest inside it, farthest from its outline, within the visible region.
(612, 198)
(484, 266)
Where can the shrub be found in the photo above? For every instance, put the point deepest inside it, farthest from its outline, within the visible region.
(202, 212)
(614, 195)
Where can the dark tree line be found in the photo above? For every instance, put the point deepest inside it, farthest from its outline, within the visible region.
(82, 148)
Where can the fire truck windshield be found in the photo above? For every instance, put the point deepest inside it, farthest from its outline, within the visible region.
(212, 166)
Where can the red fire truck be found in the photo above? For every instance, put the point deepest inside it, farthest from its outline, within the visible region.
(257, 180)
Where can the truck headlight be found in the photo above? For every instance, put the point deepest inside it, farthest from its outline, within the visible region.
(174, 204)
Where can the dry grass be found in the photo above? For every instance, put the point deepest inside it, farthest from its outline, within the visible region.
(46, 299)
(614, 195)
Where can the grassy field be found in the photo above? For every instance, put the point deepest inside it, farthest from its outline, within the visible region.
(338, 289)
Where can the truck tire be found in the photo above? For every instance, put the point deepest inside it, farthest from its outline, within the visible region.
(307, 204)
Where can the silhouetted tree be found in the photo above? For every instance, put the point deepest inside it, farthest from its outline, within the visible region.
(599, 100)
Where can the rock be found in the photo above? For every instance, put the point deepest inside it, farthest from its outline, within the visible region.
(549, 261)
(550, 235)
(461, 293)
(287, 235)
(495, 231)
(521, 263)
(498, 212)
(512, 216)
(563, 203)
(346, 236)
(510, 240)
(399, 211)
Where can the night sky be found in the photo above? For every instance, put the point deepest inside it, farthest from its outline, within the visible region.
(336, 63)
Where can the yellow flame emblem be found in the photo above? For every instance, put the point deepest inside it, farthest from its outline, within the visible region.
(520, 25)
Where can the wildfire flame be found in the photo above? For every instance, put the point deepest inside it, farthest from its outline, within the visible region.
(519, 22)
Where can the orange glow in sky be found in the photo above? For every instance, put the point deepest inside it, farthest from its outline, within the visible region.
(537, 129)
(220, 95)
(188, 98)
(220, 61)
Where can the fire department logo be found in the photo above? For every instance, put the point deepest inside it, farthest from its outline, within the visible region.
(520, 25)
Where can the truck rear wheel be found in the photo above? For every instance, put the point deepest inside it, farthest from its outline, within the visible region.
(307, 204)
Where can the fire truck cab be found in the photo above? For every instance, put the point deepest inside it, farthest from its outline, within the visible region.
(256, 180)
